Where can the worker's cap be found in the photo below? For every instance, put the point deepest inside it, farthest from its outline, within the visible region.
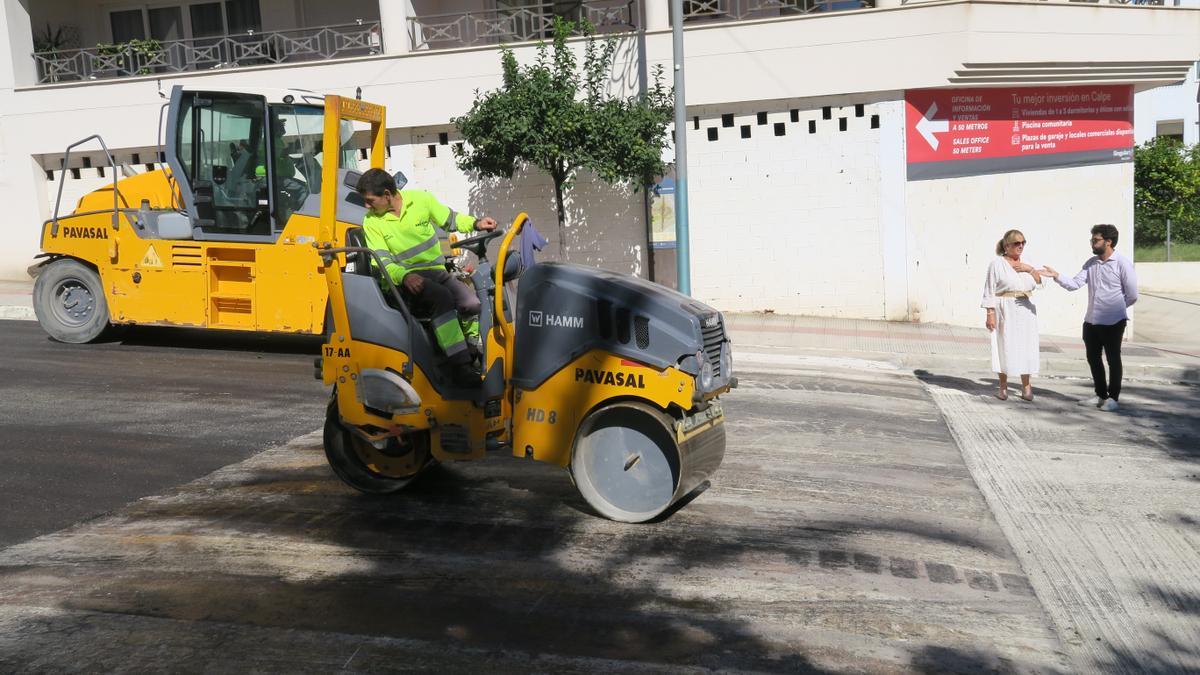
(260, 171)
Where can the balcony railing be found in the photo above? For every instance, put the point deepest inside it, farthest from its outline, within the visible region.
(517, 24)
(696, 10)
(699, 10)
(197, 54)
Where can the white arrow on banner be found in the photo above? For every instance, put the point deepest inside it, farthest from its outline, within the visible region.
(927, 126)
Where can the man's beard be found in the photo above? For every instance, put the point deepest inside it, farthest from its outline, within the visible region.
(1098, 249)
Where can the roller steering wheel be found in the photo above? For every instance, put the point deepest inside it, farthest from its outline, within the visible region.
(296, 190)
(478, 243)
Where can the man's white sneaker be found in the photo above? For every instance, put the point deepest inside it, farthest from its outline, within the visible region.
(1109, 405)
(1093, 401)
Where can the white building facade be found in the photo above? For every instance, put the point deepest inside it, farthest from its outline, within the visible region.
(812, 189)
(1172, 109)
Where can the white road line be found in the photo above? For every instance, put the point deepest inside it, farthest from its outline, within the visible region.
(1121, 590)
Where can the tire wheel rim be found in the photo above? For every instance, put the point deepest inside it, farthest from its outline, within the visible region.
(74, 303)
(398, 460)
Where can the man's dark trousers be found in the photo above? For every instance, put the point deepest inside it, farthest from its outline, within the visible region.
(443, 297)
(1107, 339)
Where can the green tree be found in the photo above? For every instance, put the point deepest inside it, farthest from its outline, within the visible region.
(1166, 184)
(560, 118)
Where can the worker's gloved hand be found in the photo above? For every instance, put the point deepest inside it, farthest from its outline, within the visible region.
(413, 283)
(485, 224)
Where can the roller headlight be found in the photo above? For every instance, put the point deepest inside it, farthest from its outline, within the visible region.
(706, 376)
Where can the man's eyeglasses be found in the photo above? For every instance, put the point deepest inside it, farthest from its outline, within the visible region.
(1097, 240)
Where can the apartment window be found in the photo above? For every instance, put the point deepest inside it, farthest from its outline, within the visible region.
(185, 20)
(528, 19)
(1170, 129)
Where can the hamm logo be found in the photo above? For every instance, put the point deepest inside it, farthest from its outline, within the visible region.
(538, 319)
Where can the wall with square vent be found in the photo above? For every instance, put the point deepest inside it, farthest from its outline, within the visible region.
(784, 201)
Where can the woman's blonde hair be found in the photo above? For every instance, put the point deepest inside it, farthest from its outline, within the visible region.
(1008, 238)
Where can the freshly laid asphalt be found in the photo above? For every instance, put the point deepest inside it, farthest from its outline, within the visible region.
(842, 532)
(88, 428)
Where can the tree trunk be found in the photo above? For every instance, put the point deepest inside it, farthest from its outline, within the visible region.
(562, 218)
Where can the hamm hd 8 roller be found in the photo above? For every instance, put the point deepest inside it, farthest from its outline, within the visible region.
(610, 376)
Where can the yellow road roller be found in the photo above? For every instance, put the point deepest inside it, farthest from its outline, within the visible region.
(613, 377)
(221, 237)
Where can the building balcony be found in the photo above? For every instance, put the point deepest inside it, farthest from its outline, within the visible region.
(535, 20)
(531, 21)
(213, 36)
(150, 57)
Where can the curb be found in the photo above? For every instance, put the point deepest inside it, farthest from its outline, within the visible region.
(17, 312)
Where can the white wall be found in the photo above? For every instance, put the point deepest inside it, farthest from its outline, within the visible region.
(826, 224)
(1169, 277)
(954, 225)
(787, 223)
(1171, 102)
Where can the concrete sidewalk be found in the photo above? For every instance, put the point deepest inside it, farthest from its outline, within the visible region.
(16, 300)
(939, 346)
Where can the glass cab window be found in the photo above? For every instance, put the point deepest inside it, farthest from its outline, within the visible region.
(297, 133)
(248, 168)
(222, 140)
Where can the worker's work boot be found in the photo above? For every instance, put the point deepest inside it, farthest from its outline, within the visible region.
(466, 376)
(463, 371)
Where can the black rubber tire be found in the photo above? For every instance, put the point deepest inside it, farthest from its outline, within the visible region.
(345, 462)
(68, 299)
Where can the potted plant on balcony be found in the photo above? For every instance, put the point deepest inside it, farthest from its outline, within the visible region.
(48, 46)
(134, 56)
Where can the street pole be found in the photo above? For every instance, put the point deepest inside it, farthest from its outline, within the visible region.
(682, 248)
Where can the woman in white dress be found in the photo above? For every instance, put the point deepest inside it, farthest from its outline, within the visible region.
(1011, 314)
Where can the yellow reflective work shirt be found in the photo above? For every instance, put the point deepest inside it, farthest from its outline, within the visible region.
(409, 241)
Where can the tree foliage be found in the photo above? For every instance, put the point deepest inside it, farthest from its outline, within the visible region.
(559, 117)
(1166, 186)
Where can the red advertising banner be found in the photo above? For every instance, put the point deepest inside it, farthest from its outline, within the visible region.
(964, 132)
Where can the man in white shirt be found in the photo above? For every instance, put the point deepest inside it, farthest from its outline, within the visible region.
(1112, 287)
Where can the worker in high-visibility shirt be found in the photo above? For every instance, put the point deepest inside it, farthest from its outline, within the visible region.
(401, 226)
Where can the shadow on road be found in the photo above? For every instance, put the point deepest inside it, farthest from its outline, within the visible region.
(203, 338)
(445, 564)
(989, 386)
(498, 566)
